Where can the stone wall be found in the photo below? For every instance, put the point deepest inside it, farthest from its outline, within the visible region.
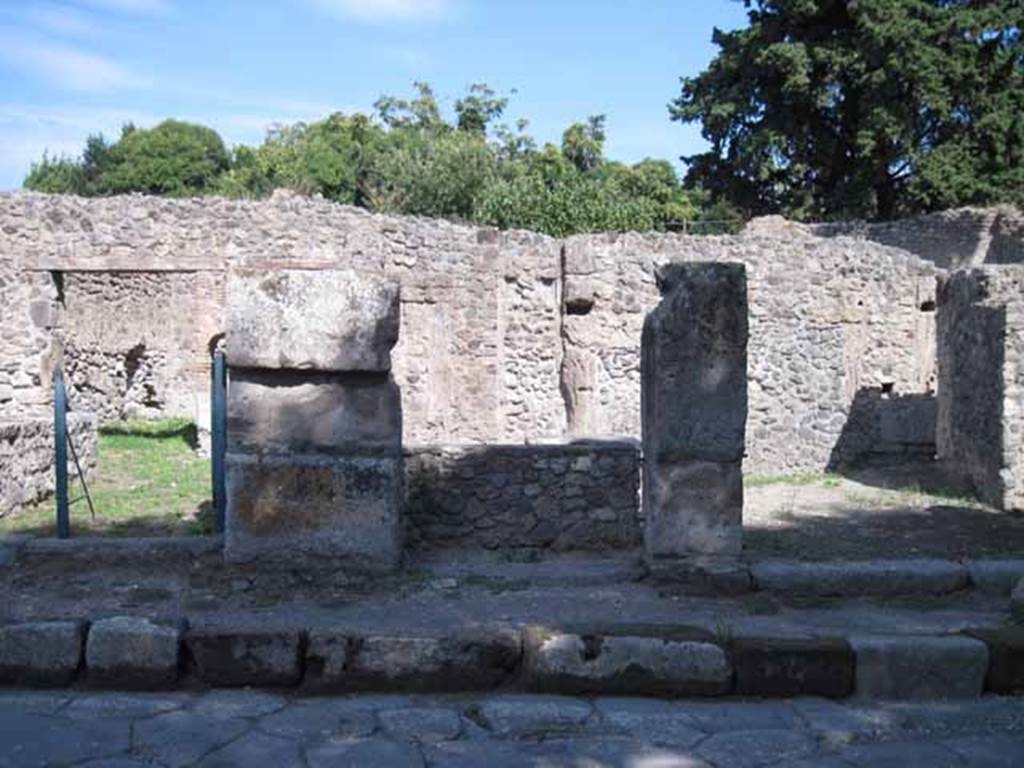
(26, 457)
(506, 336)
(28, 302)
(981, 376)
(573, 496)
(829, 318)
(964, 237)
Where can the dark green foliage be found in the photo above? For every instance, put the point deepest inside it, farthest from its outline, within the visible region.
(408, 158)
(872, 108)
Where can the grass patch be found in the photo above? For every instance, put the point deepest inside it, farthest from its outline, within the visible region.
(827, 479)
(149, 482)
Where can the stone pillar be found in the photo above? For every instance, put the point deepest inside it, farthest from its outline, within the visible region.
(981, 381)
(314, 418)
(694, 411)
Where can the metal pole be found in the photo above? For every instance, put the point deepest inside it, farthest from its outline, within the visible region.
(60, 453)
(218, 439)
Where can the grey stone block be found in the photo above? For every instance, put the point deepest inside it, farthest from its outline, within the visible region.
(41, 653)
(866, 578)
(693, 509)
(693, 375)
(286, 412)
(464, 661)
(996, 576)
(357, 753)
(287, 508)
(132, 651)
(918, 667)
(325, 320)
(749, 749)
(246, 655)
(525, 716)
(573, 664)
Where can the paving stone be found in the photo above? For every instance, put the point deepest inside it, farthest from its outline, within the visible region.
(31, 740)
(1005, 658)
(573, 664)
(901, 754)
(256, 749)
(919, 667)
(360, 753)
(719, 717)
(989, 751)
(525, 715)
(322, 718)
(660, 725)
(995, 576)
(427, 725)
(181, 738)
(132, 652)
(125, 705)
(836, 725)
(246, 656)
(793, 667)
(238, 704)
(41, 653)
(935, 718)
(1017, 602)
(749, 749)
(603, 751)
(462, 662)
(116, 762)
(857, 579)
(32, 702)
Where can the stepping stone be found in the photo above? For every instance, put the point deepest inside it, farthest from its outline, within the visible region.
(919, 667)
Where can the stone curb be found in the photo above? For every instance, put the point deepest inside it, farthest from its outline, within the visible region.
(870, 578)
(131, 653)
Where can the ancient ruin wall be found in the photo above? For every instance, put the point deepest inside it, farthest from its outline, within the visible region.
(506, 336)
(829, 318)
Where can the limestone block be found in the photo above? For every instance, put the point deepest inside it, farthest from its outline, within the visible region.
(463, 661)
(915, 667)
(326, 320)
(693, 508)
(289, 412)
(287, 507)
(793, 667)
(694, 411)
(43, 653)
(132, 651)
(572, 663)
(227, 655)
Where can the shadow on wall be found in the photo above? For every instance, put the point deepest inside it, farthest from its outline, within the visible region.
(888, 440)
(575, 496)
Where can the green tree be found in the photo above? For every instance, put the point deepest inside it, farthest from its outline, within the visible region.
(174, 158)
(873, 108)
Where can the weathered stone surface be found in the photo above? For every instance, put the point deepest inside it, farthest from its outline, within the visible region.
(226, 655)
(996, 576)
(284, 412)
(41, 653)
(36, 740)
(256, 749)
(694, 402)
(357, 753)
(523, 716)
(865, 578)
(426, 725)
(282, 508)
(572, 663)
(1005, 658)
(581, 495)
(325, 320)
(177, 739)
(980, 326)
(132, 651)
(781, 667)
(653, 721)
(749, 749)
(322, 718)
(914, 667)
(336, 659)
(1017, 602)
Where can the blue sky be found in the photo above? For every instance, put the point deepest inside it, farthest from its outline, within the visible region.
(73, 67)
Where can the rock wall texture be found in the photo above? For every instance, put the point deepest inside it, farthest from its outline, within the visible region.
(29, 312)
(981, 377)
(577, 496)
(505, 336)
(26, 457)
(955, 239)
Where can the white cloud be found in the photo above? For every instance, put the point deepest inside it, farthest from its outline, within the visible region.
(69, 68)
(63, 19)
(385, 10)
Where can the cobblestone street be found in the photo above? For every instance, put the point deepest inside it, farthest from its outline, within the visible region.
(229, 728)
